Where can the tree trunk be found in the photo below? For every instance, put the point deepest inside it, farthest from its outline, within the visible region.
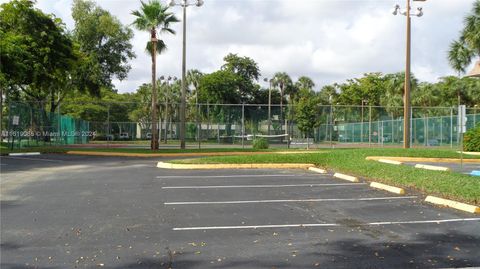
(154, 141)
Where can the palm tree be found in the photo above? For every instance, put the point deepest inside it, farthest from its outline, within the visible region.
(193, 79)
(150, 17)
(463, 50)
(283, 81)
(305, 83)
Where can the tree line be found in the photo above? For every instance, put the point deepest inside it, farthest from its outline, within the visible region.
(46, 64)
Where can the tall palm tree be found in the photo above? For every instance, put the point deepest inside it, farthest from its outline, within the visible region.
(283, 81)
(152, 16)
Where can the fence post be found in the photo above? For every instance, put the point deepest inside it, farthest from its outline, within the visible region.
(332, 122)
(411, 125)
(451, 127)
(370, 125)
(31, 128)
(108, 125)
(243, 124)
(9, 126)
(199, 127)
(57, 137)
(441, 130)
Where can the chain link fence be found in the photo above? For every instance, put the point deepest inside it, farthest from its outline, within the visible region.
(26, 125)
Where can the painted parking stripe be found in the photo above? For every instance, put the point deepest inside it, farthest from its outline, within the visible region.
(233, 176)
(261, 186)
(322, 225)
(34, 159)
(291, 201)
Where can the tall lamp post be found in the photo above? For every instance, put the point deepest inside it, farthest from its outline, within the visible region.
(184, 4)
(406, 97)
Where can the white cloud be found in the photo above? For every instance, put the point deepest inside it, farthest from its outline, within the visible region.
(329, 40)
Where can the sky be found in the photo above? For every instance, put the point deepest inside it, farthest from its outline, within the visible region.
(327, 40)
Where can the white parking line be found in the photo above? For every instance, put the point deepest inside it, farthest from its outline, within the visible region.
(34, 159)
(232, 176)
(261, 186)
(321, 225)
(291, 201)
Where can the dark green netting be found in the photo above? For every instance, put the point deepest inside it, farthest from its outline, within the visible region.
(27, 126)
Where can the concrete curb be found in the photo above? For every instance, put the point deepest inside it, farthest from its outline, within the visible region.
(470, 153)
(420, 160)
(192, 154)
(453, 204)
(346, 177)
(24, 154)
(317, 170)
(432, 167)
(165, 165)
(388, 188)
(390, 162)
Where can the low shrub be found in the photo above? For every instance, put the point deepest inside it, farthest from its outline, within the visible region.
(471, 140)
(260, 143)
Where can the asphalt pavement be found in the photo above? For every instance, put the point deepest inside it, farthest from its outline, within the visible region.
(61, 211)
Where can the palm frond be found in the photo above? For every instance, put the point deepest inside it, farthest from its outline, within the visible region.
(459, 56)
(161, 47)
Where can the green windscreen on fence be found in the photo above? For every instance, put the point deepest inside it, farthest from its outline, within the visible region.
(28, 126)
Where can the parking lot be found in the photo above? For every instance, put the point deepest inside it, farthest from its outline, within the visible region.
(60, 211)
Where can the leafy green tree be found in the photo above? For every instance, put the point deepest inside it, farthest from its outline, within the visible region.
(306, 113)
(104, 40)
(247, 72)
(152, 16)
(39, 61)
(143, 112)
(220, 88)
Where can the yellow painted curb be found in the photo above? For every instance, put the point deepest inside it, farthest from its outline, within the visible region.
(453, 204)
(432, 167)
(388, 188)
(317, 170)
(390, 161)
(346, 177)
(419, 160)
(235, 166)
(190, 154)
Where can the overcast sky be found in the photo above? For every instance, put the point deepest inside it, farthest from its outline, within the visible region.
(327, 40)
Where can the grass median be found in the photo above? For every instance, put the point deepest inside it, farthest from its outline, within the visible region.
(449, 185)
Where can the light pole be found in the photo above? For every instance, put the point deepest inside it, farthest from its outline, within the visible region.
(364, 102)
(269, 102)
(184, 4)
(406, 96)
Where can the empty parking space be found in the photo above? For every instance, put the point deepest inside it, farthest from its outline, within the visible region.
(291, 206)
(125, 213)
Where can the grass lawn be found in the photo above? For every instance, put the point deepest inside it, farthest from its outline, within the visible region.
(352, 161)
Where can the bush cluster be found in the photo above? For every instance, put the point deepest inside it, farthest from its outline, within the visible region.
(471, 140)
(260, 143)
